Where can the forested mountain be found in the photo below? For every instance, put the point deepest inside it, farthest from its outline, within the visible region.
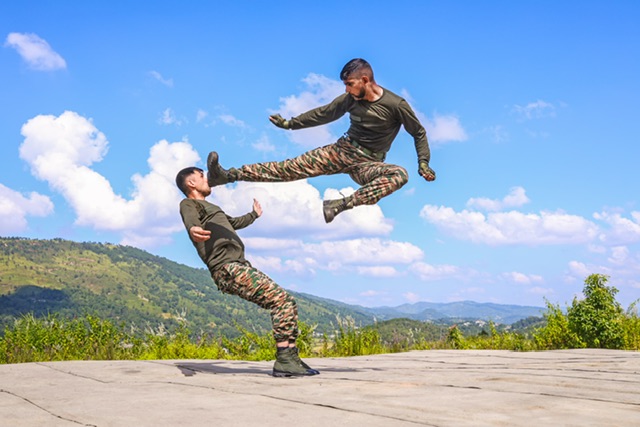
(126, 284)
(143, 291)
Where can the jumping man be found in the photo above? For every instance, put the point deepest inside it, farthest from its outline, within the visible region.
(376, 115)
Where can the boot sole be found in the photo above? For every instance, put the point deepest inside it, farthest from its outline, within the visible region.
(327, 212)
(283, 374)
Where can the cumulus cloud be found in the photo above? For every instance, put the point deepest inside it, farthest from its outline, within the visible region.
(320, 90)
(622, 265)
(16, 207)
(60, 150)
(297, 267)
(367, 256)
(509, 228)
(516, 198)
(291, 208)
(371, 251)
(35, 51)
(440, 129)
(622, 230)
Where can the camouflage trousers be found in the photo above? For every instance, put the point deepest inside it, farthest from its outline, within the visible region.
(376, 178)
(253, 285)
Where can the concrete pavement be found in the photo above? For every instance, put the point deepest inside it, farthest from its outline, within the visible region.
(419, 388)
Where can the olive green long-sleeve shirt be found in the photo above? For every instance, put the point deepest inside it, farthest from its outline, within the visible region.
(374, 125)
(225, 245)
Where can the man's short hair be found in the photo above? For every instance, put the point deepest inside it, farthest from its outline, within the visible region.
(181, 178)
(356, 68)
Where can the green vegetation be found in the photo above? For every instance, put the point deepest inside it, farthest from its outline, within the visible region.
(597, 321)
(62, 300)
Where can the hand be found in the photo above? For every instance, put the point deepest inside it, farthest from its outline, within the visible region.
(426, 172)
(257, 208)
(198, 234)
(279, 121)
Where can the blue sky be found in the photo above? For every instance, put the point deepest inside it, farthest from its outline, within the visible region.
(531, 109)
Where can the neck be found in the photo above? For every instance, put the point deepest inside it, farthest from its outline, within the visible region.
(374, 92)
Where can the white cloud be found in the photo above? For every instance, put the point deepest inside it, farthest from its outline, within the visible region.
(378, 271)
(296, 267)
(15, 207)
(291, 208)
(521, 278)
(168, 117)
(230, 120)
(201, 115)
(411, 297)
(622, 266)
(320, 91)
(35, 51)
(440, 129)
(363, 252)
(443, 128)
(428, 272)
(619, 255)
(535, 110)
(60, 150)
(579, 270)
(156, 75)
(264, 145)
(623, 230)
(516, 198)
(509, 228)
(367, 257)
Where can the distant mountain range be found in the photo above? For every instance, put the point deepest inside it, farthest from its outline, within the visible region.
(129, 285)
(498, 313)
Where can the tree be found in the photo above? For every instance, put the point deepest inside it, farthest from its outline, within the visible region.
(598, 319)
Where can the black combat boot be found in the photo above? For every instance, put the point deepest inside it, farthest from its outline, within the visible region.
(331, 208)
(296, 354)
(287, 364)
(216, 174)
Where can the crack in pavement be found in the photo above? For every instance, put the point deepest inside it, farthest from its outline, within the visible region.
(301, 402)
(45, 409)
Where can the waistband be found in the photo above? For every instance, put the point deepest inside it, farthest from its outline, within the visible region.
(377, 155)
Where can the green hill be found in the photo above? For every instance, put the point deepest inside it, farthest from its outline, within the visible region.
(129, 285)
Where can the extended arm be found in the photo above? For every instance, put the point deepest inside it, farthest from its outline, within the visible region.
(413, 126)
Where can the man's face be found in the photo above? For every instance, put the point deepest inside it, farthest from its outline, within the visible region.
(199, 181)
(355, 87)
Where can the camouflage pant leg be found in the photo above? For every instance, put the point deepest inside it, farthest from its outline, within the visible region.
(377, 179)
(327, 160)
(253, 285)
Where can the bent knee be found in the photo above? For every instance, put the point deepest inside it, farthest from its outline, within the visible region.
(400, 176)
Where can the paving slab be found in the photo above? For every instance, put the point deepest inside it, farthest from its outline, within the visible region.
(456, 388)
